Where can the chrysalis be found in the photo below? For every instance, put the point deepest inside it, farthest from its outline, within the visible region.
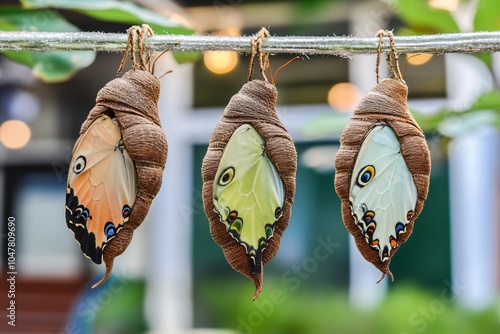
(249, 179)
(382, 169)
(118, 160)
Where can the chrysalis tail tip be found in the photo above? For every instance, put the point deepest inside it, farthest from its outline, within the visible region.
(258, 280)
(258, 289)
(383, 276)
(109, 268)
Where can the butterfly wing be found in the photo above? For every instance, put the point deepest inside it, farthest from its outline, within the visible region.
(248, 193)
(101, 190)
(382, 192)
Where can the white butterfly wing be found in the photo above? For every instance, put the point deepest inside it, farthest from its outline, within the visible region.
(382, 192)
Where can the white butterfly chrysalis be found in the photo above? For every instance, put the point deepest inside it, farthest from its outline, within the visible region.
(382, 169)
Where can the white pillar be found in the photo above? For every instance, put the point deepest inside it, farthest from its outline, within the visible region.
(169, 279)
(364, 292)
(474, 164)
(367, 18)
(474, 161)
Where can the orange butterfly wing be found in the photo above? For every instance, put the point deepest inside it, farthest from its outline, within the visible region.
(101, 189)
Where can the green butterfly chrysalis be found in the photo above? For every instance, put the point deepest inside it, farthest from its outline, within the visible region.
(248, 193)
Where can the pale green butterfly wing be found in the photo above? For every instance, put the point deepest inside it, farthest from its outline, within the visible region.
(248, 193)
(382, 192)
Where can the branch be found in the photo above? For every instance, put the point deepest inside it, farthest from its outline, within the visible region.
(345, 46)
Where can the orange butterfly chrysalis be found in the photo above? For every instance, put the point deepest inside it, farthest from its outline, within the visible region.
(117, 164)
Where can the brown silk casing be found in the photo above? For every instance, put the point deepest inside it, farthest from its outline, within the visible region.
(387, 104)
(133, 100)
(254, 104)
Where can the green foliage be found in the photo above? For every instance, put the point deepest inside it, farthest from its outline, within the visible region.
(122, 307)
(421, 18)
(50, 66)
(484, 111)
(487, 16)
(487, 19)
(325, 125)
(113, 11)
(406, 309)
(121, 12)
(41, 15)
(448, 122)
(489, 100)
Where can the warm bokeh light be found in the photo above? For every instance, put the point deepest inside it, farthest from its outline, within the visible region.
(15, 134)
(418, 58)
(449, 5)
(232, 31)
(220, 62)
(344, 97)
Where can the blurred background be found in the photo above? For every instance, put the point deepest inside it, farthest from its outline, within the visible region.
(173, 278)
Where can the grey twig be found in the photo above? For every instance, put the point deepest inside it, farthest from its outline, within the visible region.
(345, 46)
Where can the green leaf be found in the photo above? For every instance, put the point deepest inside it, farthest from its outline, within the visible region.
(487, 16)
(325, 125)
(22, 57)
(59, 66)
(50, 66)
(489, 100)
(484, 111)
(115, 11)
(186, 56)
(487, 19)
(18, 18)
(424, 19)
(122, 12)
(429, 123)
(463, 123)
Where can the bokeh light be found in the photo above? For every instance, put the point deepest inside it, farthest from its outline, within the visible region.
(449, 5)
(418, 58)
(344, 96)
(15, 134)
(220, 62)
